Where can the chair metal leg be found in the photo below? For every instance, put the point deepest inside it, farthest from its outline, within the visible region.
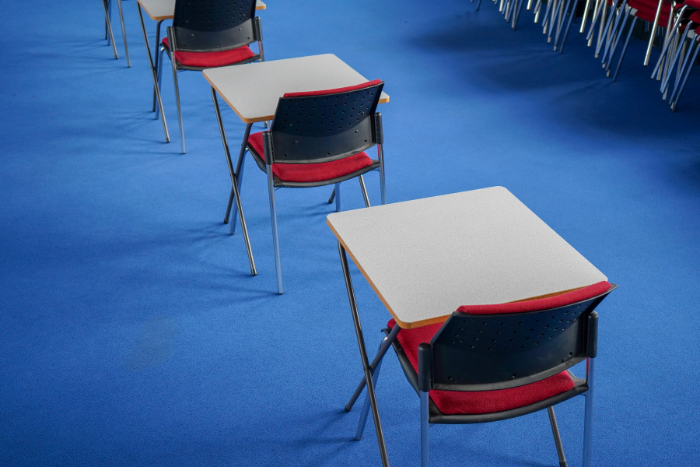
(653, 32)
(624, 49)
(160, 76)
(562, 14)
(553, 20)
(234, 183)
(674, 102)
(382, 184)
(273, 221)
(516, 15)
(239, 173)
(601, 29)
(330, 200)
(668, 71)
(177, 100)
(364, 191)
(676, 56)
(153, 73)
(546, 19)
(537, 10)
(126, 47)
(557, 437)
(157, 62)
(478, 5)
(383, 348)
(586, 9)
(363, 355)
(365, 407)
(337, 197)
(615, 38)
(568, 26)
(424, 429)
(604, 38)
(109, 28)
(667, 44)
(597, 11)
(588, 417)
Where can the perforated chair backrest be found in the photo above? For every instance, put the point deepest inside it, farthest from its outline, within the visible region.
(322, 126)
(500, 350)
(214, 25)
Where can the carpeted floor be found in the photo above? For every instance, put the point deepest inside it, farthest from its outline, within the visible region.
(131, 332)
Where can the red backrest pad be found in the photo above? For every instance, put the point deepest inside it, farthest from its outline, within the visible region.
(333, 91)
(538, 304)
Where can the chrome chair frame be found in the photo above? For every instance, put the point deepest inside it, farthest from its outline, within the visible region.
(109, 35)
(156, 88)
(272, 186)
(425, 384)
(176, 66)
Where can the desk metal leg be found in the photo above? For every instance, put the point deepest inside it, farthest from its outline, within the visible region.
(363, 355)
(158, 59)
(383, 348)
(153, 73)
(126, 47)
(109, 28)
(234, 183)
(239, 173)
(365, 407)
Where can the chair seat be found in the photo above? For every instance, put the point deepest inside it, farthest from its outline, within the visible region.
(482, 402)
(212, 59)
(309, 173)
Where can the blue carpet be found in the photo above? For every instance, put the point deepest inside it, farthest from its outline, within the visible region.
(131, 332)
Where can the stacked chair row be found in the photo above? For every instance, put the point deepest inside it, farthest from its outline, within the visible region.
(671, 24)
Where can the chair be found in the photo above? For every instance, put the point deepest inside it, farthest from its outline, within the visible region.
(657, 13)
(109, 35)
(317, 138)
(494, 362)
(686, 63)
(210, 34)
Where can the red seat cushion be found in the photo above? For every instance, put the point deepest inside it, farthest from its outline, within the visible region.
(212, 59)
(305, 173)
(472, 403)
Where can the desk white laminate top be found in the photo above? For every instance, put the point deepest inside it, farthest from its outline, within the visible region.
(159, 10)
(425, 258)
(253, 90)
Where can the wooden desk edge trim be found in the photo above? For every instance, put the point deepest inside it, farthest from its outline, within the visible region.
(154, 18)
(426, 322)
(257, 119)
(402, 324)
(245, 120)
